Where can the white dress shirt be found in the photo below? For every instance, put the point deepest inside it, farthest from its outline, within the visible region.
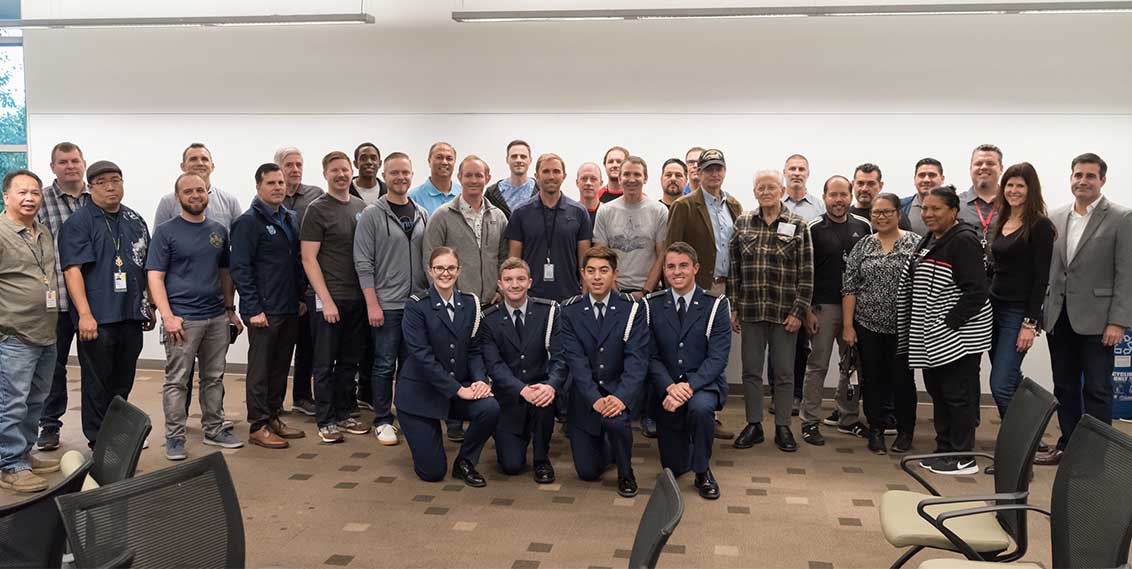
(1076, 227)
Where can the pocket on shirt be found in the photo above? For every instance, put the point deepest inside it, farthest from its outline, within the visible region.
(1102, 292)
(786, 247)
(749, 244)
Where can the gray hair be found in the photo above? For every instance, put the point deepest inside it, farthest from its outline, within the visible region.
(776, 174)
(284, 152)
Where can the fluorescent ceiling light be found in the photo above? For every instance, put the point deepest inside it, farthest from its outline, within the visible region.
(807, 10)
(195, 21)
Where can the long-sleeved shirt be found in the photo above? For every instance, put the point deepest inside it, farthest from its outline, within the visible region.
(772, 267)
(872, 276)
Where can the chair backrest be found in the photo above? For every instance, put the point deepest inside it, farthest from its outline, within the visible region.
(119, 443)
(31, 531)
(183, 516)
(1091, 509)
(662, 515)
(1022, 428)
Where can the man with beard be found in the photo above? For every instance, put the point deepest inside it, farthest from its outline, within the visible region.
(187, 266)
(673, 176)
(103, 248)
(510, 192)
(439, 188)
(223, 207)
(588, 182)
(327, 245)
(927, 175)
(612, 162)
(635, 228)
(867, 183)
(367, 185)
(976, 205)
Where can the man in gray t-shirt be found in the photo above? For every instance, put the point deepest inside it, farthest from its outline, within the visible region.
(223, 207)
(636, 228)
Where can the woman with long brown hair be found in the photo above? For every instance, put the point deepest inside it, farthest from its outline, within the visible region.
(1021, 248)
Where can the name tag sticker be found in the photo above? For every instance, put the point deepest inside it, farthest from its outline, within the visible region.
(317, 304)
(52, 299)
(548, 272)
(786, 229)
(119, 282)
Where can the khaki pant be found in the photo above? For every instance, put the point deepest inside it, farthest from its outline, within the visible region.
(821, 348)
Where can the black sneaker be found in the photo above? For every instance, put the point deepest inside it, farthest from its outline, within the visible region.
(876, 441)
(833, 420)
(955, 466)
(812, 434)
(48, 439)
(856, 429)
(902, 444)
(929, 462)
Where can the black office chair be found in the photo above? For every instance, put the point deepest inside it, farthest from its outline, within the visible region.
(183, 516)
(910, 518)
(119, 444)
(1091, 510)
(31, 531)
(662, 515)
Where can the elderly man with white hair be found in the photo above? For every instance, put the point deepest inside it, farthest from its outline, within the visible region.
(769, 284)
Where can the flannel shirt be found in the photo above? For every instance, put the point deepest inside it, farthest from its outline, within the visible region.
(772, 274)
(57, 207)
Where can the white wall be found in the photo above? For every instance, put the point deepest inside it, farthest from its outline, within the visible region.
(841, 90)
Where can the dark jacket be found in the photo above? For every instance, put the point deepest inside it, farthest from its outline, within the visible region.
(694, 351)
(383, 188)
(689, 221)
(943, 309)
(514, 363)
(265, 263)
(495, 197)
(443, 355)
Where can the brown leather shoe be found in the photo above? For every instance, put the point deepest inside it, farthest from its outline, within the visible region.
(265, 438)
(280, 428)
(1051, 458)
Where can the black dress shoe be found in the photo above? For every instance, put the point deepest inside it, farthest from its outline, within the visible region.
(648, 428)
(544, 473)
(784, 439)
(456, 432)
(902, 444)
(1050, 458)
(627, 486)
(706, 484)
(751, 435)
(466, 471)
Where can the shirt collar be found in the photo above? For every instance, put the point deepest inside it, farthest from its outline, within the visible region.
(605, 299)
(971, 196)
(687, 297)
(1088, 209)
(805, 198)
(464, 207)
(19, 227)
(712, 200)
(435, 192)
(58, 189)
(522, 307)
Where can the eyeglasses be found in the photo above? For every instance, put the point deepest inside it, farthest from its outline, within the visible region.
(107, 182)
(883, 212)
(450, 269)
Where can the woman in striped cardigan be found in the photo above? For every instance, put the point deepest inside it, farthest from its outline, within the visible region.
(944, 324)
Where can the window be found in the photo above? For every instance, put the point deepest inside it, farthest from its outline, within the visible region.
(13, 103)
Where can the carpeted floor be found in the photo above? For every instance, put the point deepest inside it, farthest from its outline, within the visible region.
(359, 504)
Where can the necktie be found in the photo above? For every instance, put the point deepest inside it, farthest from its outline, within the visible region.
(451, 312)
(519, 322)
(681, 309)
(600, 307)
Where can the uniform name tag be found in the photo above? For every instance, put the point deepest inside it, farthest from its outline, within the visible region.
(786, 229)
(52, 299)
(548, 272)
(119, 282)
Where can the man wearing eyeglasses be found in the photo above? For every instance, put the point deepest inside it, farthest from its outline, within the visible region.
(692, 161)
(103, 247)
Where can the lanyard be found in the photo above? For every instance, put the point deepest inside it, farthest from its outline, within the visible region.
(550, 232)
(115, 236)
(984, 221)
(38, 258)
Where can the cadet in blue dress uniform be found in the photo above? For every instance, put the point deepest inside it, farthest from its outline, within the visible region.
(444, 375)
(691, 340)
(523, 354)
(605, 340)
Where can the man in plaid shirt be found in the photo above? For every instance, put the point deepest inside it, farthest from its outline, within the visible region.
(63, 197)
(770, 283)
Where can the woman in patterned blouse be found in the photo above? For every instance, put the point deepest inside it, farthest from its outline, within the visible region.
(872, 273)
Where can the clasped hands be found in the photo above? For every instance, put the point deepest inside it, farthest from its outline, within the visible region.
(538, 394)
(477, 390)
(678, 394)
(609, 406)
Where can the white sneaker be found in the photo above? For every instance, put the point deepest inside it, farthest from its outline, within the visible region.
(145, 444)
(386, 435)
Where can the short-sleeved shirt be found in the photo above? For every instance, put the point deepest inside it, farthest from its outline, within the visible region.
(551, 235)
(191, 256)
(430, 198)
(832, 243)
(979, 213)
(633, 230)
(222, 207)
(331, 222)
(516, 195)
(93, 240)
(27, 273)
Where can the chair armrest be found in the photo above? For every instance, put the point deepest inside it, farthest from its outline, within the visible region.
(918, 457)
(989, 509)
(938, 523)
(124, 560)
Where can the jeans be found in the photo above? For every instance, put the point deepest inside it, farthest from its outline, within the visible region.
(1006, 360)
(338, 349)
(25, 377)
(759, 339)
(109, 363)
(56, 404)
(269, 360)
(205, 344)
(388, 355)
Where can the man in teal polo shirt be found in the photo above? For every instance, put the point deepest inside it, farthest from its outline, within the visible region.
(439, 188)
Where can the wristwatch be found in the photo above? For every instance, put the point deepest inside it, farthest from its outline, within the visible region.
(230, 309)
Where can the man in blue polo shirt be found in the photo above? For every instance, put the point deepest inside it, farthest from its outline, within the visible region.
(551, 233)
(102, 248)
(439, 188)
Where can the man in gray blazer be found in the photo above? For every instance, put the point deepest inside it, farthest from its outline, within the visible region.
(1089, 301)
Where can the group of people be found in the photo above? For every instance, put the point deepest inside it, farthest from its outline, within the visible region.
(499, 309)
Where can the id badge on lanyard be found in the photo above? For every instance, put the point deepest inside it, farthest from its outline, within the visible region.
(119, 276)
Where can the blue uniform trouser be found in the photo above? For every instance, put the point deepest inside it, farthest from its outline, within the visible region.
(592, 453)
(511, 448)
(427, 446)
(685, 437)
